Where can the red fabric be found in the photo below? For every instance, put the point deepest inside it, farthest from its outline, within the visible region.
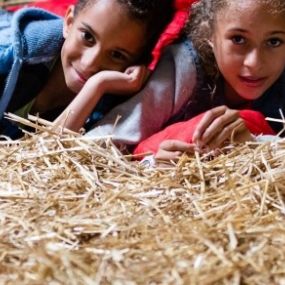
(183, 131)
(172, 31)
(169, 35)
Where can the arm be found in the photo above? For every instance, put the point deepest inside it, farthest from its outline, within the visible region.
(76, 113)
(215, 127)
(219, 124)
(168, 89)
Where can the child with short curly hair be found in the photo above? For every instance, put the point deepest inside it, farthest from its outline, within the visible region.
(48, 64)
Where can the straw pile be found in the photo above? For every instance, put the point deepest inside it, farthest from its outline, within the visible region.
(75, 211)
(7, 3)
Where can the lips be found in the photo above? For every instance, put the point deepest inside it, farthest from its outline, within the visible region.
(252, 81)
(83, 78)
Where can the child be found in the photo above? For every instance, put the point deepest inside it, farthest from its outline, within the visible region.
(100, 47)
(240, 65)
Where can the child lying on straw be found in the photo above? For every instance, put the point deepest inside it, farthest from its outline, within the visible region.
(238, 49)
(60, 69)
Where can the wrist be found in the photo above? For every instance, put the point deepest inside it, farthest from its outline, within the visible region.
(93, 88)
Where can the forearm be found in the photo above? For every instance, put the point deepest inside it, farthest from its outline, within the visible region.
(167, 91)
(77, 112)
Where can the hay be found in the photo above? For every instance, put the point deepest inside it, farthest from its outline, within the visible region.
(8, 3)
(75, 211)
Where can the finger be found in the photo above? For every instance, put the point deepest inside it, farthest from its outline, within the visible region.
(138, 75)
(136, 70)
(206, 120)
(132, 68)
(229, 133)
(167, 155)
(176, 145)
(219, 125)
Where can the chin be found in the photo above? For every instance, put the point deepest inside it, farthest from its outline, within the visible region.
(74, 87)
(250, 95)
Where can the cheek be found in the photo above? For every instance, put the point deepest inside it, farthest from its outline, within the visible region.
(277, 65)
(223, 62)
(276, 72)
(228, 62)
(69, 49)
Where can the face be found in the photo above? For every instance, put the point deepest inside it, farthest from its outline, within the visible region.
(100, 37)
(249, 45)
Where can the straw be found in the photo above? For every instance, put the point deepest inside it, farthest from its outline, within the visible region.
(74, 210)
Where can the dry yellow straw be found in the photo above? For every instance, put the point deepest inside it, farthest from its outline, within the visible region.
(76, 211)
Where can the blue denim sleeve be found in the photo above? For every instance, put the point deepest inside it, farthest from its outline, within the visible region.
(6, 49)
(6, 59)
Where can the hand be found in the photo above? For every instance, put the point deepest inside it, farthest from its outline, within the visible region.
(218, 125)
(173, 149)
(116, 82)
(76, 113)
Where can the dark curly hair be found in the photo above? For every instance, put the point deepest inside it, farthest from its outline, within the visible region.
(201, 24)
(154, 14)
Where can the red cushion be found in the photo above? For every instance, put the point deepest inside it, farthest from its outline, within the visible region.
(183, 131)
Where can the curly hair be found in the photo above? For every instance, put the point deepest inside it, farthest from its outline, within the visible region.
(201, 24)
(154, 14)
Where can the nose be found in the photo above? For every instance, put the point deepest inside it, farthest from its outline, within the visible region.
(92, 61)
(253, 59)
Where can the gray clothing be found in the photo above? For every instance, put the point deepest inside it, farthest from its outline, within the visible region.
(165, 94)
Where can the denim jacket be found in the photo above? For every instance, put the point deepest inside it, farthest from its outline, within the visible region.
(30, 40)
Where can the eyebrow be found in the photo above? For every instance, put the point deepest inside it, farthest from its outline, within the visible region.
(245, 31)
(130, 54)
(278, 32)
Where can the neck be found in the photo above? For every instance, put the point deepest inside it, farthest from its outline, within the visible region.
(55, 93)
(232, 98)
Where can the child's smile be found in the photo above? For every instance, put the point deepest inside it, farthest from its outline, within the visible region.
(249, 48)
(96, 41)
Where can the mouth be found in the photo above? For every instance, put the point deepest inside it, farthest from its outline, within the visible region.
(252, 81)
(81, 77)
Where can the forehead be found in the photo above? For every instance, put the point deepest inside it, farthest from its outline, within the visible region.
(112, 24)
(273, 6)
(252, 12)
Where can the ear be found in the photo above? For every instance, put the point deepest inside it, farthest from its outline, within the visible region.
(68, 20)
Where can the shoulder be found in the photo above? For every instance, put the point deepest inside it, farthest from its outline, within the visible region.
(33, 14)
(30, 34)
(183, 49)
(37, 33)
(179, 60)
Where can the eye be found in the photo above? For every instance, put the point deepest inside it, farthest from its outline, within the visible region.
(274, 42)
(238, 40)
(87, 37)
(119, 56)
